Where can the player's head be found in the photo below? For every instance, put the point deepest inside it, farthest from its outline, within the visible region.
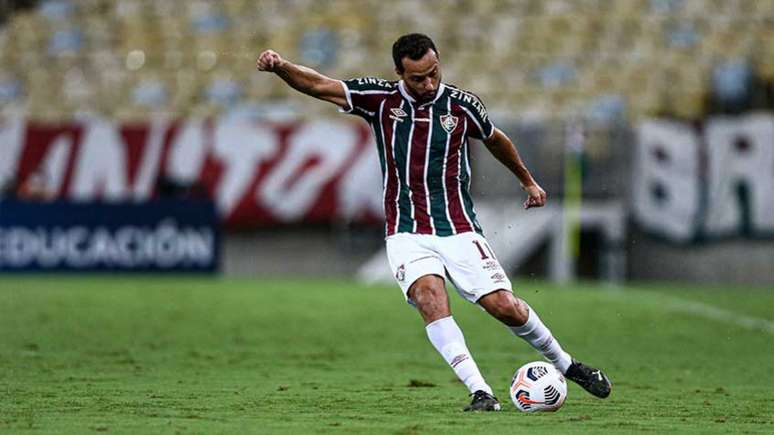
(416, 62)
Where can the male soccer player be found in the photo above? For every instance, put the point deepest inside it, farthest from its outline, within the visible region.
(422, 126)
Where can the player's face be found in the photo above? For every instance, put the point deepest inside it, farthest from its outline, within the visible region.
(422, 76)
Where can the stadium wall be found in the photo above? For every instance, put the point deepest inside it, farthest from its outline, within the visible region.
(305, 206)
(737, 262)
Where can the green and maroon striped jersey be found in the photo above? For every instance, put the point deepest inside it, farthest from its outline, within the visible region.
(423, 152)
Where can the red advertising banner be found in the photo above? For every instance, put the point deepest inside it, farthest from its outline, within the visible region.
(258, 173)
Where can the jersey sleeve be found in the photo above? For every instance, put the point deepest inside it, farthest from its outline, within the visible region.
(365, 94)
(480, 126)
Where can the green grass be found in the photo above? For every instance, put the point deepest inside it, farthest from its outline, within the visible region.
(183, 355)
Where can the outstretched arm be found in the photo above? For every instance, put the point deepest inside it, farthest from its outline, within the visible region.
(505, 151)
(303, 79)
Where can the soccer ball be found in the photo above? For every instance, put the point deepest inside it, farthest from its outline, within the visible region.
(538, 386)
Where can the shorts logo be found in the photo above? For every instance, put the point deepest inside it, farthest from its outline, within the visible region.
(491, 265)
(449, 122)
(498, 277)
(400, 275)
(398, 114)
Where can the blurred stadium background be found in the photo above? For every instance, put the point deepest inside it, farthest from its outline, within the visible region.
(648, 122)
(137, 136)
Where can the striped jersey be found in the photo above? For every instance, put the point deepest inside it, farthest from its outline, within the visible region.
(423, 152)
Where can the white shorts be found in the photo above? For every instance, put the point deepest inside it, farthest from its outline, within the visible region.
(465, 258)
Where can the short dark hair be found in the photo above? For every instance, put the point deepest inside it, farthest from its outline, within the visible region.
(413, 46)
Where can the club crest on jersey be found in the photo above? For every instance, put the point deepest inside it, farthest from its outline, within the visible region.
(449, 122)
(397, 114)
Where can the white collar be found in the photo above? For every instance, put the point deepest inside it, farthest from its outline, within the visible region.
(406, 95)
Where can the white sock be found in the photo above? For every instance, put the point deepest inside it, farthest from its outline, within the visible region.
(447, 338)
(539, 336)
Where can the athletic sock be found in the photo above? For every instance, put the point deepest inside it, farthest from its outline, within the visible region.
(448, 340)
(539, 336)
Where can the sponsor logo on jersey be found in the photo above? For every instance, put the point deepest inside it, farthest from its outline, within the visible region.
(374, 81)
(449, 122)
(471, 99)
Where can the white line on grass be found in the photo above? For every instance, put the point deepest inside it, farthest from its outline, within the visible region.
(706, 311)
(719, 314)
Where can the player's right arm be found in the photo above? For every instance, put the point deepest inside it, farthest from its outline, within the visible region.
(303, 79)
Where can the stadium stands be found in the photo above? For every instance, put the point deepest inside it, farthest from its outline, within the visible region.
(613, 60)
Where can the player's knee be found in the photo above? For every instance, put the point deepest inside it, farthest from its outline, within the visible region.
(503, 306)
(430, 298)
(507, 308)
(426, 288)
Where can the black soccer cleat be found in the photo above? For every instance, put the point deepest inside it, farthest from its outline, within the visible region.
(591, 379)
(483, 401)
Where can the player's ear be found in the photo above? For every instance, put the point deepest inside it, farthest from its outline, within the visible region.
(398, 69)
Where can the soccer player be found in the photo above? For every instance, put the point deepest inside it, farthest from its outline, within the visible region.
(422, 127)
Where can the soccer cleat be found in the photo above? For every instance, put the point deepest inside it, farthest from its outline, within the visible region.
(591, 379)
(483, 401)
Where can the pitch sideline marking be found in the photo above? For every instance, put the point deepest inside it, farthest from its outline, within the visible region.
(701, 309)
(709, 312)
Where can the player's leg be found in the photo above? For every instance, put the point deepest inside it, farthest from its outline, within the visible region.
(524, 322)
(428, 294)
(419, 272)
(480, 279)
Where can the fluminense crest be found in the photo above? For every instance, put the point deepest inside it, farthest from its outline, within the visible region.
(449, 122)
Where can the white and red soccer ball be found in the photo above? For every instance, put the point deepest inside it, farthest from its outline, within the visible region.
(538, 386)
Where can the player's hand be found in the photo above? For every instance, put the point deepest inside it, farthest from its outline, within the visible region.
(536, 196)
(269, 60)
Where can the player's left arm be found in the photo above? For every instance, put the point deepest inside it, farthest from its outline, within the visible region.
(505, 151)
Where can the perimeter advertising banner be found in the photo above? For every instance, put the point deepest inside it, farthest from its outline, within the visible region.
(707, 181)
(257, 173)
(154, 236)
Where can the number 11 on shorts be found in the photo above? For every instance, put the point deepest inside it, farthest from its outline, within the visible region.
(481, 250)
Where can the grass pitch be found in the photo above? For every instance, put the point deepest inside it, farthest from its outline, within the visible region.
(184, 355)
